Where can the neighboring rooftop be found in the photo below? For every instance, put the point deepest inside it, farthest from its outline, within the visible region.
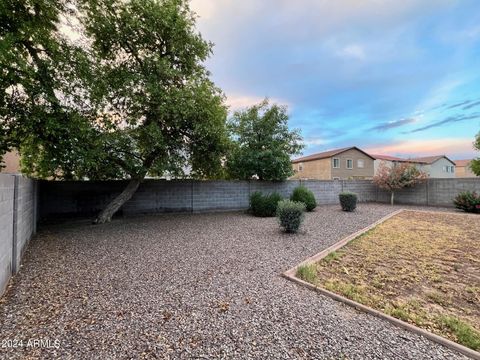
(462, 162)
(386, 157)
(429, 159)
(328, 154)
(419, 160)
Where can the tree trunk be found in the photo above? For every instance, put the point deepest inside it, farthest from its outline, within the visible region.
(117, 203)
(392, 195)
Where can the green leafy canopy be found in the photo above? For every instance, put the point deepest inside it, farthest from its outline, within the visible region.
(262, 143)
(43, 111)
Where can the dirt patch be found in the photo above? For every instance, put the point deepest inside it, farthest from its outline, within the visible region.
(423, 268)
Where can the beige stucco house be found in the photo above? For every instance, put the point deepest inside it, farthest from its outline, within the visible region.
(338, 164)
(437, 166)
(463, 169)
(11, 160)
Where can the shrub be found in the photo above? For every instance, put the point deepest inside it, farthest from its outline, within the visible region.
(468, 201)
(304, 195)
(348, 201)
(290, 215)
(264, 205)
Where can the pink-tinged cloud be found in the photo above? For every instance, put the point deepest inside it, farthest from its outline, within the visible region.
(238, 102)
(412, 148)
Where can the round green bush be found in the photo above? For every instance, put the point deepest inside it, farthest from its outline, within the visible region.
(348, 201)
(264, 205)
(468, 201)
(290, 215)
(304, 195)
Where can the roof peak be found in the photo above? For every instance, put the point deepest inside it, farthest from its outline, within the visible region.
(327, 154)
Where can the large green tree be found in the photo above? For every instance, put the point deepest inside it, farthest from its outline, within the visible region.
(132, 99)
(475, 164)
(262, 143)
(159, 105)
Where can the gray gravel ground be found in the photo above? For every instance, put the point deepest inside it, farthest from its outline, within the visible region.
(182, 286)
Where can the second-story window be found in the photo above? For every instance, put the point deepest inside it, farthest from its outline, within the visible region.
(360, 163)
(300, 167)
(349, 164)
(336, 163)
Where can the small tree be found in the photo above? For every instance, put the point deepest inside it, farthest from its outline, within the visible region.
(398, 176)
(475, 164)
(262, 143)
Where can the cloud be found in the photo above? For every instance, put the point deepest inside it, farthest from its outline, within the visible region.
(393, 124)
(353, 51)
(411, 148)
(471, 105)
(237, 101)
(459, 104)
(450, 119)
(460, 34)
(324, 15)
(472, 33)
(314, 141)
(440, 93)
(204, 8)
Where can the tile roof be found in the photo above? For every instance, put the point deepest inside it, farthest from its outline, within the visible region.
(428, 159)
(327, 154)
(462, 162)
(386, 157)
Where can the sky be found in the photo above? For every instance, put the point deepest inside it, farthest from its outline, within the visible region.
(392, 77)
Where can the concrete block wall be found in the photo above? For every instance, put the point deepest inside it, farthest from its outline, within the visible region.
(160, 196)
(7, 184)
(434, 192)
(284, 188)
(326, 192)
(84, 198)
(415, 196)
(76, 197)
(18, 218)
(26, 215)
(219, 195)
(365, 189)
(440, 192)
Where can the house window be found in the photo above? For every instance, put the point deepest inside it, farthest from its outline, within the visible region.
(360, 163)
(349, 164)
(452, 169)
(445, 169)
(336, 163)
(300, 167)
(336, 178)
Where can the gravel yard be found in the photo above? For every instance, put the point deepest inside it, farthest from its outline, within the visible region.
(192, 286)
